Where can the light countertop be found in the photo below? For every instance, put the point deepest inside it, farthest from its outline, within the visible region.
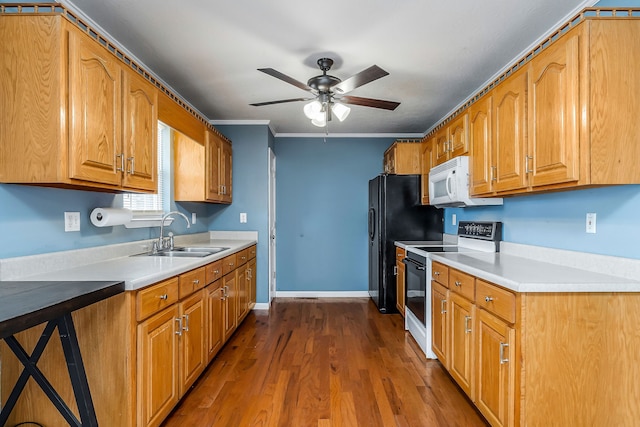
(139, 271)
(528, 275)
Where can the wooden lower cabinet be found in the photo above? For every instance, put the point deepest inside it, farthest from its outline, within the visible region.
(400, 280)
(439, 322)
(242, 283)
(495, 373)
(251, 272)
(193, 340)
(215, 320)
(157, 367)
(229, 306)
(461, 356)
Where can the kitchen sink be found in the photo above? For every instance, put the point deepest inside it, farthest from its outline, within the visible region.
(188, 252)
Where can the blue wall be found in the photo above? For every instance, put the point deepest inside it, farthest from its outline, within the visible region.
(250, 194)
(558, 220)
(322, 203)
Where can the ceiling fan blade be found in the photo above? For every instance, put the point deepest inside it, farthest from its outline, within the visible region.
(285, 78)
(362, 78)
(370, 102)
(260, 104)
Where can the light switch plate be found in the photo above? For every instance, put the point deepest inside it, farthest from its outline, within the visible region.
(454, 219)
(71, 221)
(193, 218)
(243, 217)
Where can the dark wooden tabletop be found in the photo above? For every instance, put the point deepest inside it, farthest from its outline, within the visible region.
(24, 304)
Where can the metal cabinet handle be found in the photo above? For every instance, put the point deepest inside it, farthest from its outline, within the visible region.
(196, 281)
(132, 169)
(121, 168)
(216, 271)
(179, 331)
(526, 164)
(494, 173)
(186, 318)
(443, 306)
(467, 328)
(457, 283)
(488, 299)
(164, 297)
(503, 360)
(395, 270)
(436, 273)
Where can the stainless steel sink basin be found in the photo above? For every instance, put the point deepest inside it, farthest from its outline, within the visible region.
(186, 252)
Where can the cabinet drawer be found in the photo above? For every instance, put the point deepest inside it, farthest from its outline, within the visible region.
(496, 300)
(252, 252)
(156, 297)
(440, 273)
(192, 281)
(213, 271)
(242, 257)
(400, 254)
(462, 284)
(228, 264)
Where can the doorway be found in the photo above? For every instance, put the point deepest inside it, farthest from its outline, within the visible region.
(272, 225)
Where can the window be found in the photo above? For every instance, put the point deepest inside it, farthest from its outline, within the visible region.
(150, 204)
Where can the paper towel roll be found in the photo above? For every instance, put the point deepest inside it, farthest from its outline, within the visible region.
(106, 217)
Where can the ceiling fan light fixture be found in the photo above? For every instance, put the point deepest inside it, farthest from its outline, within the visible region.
(320, 120)
(313, 109)
(341, 111)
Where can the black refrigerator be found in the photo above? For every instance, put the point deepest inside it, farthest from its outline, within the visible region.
(395, 213)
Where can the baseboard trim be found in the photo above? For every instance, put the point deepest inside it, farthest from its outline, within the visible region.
(261, 306)
(322, 294)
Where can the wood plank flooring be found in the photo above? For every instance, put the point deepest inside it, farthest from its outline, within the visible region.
(324, 362)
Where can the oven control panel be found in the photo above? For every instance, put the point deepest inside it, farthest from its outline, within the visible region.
(484, 230)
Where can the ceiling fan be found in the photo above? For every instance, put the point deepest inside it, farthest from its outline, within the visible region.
(328, 91)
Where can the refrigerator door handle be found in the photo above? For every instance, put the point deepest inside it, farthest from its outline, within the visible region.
(372, 223)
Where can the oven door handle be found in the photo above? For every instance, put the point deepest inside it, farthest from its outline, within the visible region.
(411, 263)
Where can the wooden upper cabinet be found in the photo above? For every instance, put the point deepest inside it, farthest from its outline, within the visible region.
(510, 133)
(452, 140)
(140, 127)
(554, 94)
(427, 162)
(75, 98)
(201, 168)
(481, 167)
(402, 158)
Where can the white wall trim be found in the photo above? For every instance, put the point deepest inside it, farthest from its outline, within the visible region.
(322, 294)
(262, 306)
(351, 135)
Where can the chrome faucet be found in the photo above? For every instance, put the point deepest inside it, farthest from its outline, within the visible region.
(161, 244)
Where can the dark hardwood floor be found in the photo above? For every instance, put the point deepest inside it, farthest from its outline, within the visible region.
(324, 362)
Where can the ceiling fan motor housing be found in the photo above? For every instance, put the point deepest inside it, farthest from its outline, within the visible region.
(324, 82)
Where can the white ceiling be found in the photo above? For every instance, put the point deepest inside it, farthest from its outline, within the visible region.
(437, 53)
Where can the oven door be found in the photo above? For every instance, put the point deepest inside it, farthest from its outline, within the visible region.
(416, 284)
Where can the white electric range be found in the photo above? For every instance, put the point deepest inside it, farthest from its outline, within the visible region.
(473, 236)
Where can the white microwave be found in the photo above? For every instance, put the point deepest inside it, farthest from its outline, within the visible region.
(449, 185)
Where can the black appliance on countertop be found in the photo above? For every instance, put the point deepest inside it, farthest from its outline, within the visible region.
(395, 213)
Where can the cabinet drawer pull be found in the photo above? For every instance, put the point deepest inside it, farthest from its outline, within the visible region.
(179, 331)
(436, 273)
(216, 271)
(443, 306)
(164, 297)
(503, 360)
(457, 283)
(196, 281)
(488, 299)
(467, 328)
(186, 323)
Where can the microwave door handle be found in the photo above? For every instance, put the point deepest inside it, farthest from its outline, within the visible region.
(447, 186)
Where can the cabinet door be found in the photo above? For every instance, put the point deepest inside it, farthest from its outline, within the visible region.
(495, 373)
(439, 308)
(389, 163)
(213, 153)
(140, 121)
(481, 169)
(215, 320)
(400, 286)
(157, 367)
(461, 356)
(251, 272)
(459, 136)
(441, 146)
(95, 99)
(230, 304)
(242, 281)
(226, 177)
(192, 340)
(427, 162)
(554, 93)
(509, 133)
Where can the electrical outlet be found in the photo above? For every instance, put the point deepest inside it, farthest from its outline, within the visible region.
(193, 217)
(71, 221)
(591, 223)
(243, 217)
(454, 219)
